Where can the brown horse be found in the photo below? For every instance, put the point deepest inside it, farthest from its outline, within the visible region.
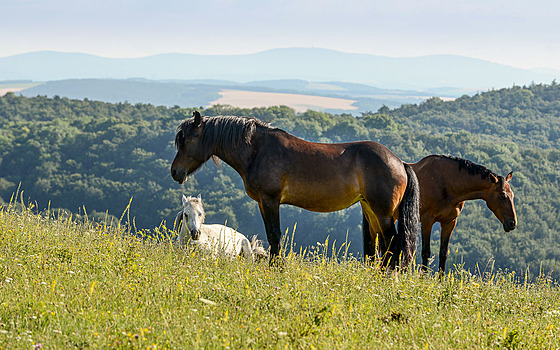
(279, 168)
(446, 182)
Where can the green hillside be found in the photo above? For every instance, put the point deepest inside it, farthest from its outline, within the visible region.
(73, 154)
(67, 284)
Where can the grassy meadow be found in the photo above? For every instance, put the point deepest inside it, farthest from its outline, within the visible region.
(66, 283)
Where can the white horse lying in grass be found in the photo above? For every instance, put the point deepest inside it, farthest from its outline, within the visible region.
(218, 239)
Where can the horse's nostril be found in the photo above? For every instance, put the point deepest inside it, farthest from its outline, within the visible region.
(509, 225)
(195, 235)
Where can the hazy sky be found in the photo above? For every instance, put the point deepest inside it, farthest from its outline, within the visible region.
(523, 34)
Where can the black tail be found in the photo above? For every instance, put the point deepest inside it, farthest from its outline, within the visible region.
(409, 217)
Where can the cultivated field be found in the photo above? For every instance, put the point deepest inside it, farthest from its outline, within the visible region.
(4, 91)
(300, 103)
(67, 283)
(14, 87)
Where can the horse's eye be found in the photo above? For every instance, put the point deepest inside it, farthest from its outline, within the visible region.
(503, 196)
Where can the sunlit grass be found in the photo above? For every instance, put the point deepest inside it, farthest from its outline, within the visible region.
(66, 283)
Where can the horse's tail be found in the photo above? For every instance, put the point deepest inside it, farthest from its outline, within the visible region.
(409, 217)
(258, 250)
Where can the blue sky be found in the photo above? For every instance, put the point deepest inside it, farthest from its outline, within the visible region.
(523, 34)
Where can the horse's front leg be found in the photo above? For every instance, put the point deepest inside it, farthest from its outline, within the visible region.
(446, 230)
(270, 211)
(427, 223)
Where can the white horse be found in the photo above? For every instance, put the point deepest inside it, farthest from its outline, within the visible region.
(218, 239)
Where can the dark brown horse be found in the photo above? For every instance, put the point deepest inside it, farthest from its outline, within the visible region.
(279, 168)
(446, 182)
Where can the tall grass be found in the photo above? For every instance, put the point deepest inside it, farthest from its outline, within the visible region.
(68, 283)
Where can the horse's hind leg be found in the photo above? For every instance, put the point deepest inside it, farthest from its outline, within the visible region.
(388, 245)
(370, 232)
(381, 231)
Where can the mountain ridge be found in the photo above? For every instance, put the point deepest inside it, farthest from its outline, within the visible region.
(310, 64)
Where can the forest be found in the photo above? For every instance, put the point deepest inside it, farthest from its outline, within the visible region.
(92, 158)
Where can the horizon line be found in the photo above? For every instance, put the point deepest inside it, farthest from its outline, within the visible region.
(273, 49)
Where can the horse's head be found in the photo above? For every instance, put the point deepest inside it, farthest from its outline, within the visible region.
(190, 151)
(500, 201)
(193, 215)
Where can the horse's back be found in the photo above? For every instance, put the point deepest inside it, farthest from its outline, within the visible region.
(222, 231)
(425, 164)
(326, 177)
(281, 147)
(341, 152)
(225, 239)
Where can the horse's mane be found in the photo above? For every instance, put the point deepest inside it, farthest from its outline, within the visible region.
(197, 202)
(230, 131)
(225, 132)
(471, 167)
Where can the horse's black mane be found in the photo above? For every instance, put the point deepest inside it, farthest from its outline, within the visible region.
(470, 167)
(227, 131)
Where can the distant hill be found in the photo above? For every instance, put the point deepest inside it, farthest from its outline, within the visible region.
(310, 64)
(131, 90)
(207, 92)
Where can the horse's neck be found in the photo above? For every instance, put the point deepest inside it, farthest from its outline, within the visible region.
(240, 157)
(465, 186)
(236, 157)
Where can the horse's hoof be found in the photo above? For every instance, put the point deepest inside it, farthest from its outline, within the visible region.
(277, 261)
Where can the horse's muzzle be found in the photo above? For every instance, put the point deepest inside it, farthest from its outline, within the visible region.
(195, 235)
(509, 225)
(179, 176)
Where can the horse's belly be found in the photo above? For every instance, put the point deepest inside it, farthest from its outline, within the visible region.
(322, 199)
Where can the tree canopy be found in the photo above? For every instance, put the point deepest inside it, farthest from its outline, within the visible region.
(79, 153)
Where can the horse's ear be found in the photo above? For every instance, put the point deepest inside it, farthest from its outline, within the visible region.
(197, 118)
(508, 177)
(185, 200)
(199, 197)
(493, 178)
